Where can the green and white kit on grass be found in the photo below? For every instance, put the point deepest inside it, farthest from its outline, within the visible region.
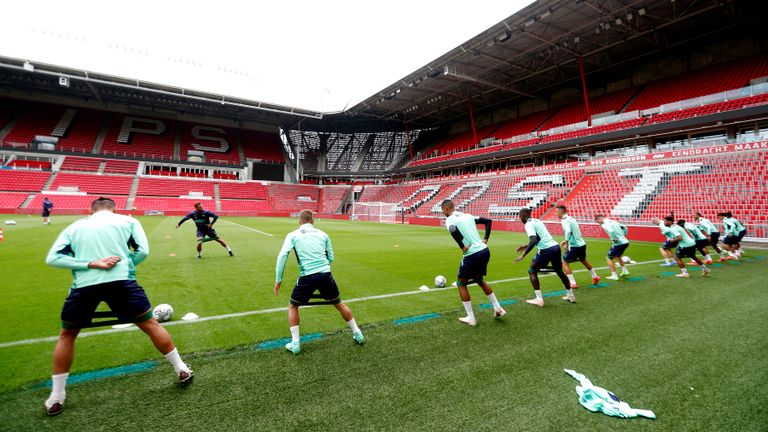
(599, 399)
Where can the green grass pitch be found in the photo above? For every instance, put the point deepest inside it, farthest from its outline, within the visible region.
(693, 351)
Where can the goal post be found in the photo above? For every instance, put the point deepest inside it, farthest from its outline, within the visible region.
(381, 212)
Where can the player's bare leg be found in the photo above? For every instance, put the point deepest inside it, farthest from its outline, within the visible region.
(588, 266)
(498, 311)
(346, 313)
(63, 356)
(294, 345)
(164, 343)
(533, 275)
(466, 301)
(683, 271)
(221, 242)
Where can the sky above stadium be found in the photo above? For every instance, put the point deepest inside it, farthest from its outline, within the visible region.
(317, 55)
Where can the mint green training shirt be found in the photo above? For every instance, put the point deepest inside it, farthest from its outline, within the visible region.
(467, 226)
(733, 226)
(97, 236)
(572, 231)
(313, 250)
(614, 231)
(668, 233)
(535, 227)
(686, 241)
(708, 226)
(695, 231)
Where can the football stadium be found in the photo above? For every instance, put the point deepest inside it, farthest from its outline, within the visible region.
(560, 223)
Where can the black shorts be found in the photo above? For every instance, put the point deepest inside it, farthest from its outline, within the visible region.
(204, 232)
(701, 244)
(46, 213)
(617, 250)
(685, 252)
(307, 285)
(713, 238)
(730, 240)
(575, 253)
(475, 266)
(550, 255)
(126, 298)
(742, 233)
(669, 244)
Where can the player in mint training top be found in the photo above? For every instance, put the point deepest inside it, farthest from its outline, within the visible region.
(474, 261)
(314, 253)
(102, 251)
(701, 239)
(686, 247)
(713, 234)
(734, 233)
(204, 221)
(574, 245)
(617, 234)
(548, 254)
(670, 243)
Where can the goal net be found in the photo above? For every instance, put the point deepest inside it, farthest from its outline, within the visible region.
(374, 212)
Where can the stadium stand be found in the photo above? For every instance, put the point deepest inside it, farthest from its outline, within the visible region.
(607, 104)
(93, 183)
(79, 203)
(718, 78)
(293, 198)
(173, 188)
(249, 190)
(20, 180)
(220, 147)
(74, 163)
(330, 198)
(179, 205)
(139, 137)
(116, 166)
(245, 207)
(262, 146)
(12, 200)
(77, 129)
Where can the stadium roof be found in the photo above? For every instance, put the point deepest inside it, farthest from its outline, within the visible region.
(536, 51)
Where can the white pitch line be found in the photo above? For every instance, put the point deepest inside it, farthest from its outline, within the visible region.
(248, 228)
(279, 309)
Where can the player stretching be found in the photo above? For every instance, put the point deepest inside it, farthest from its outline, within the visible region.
(669, 244)
(686, 247)
(47, 207)
(103, 264)
(315, 255)
(713, 234)
(474, 263)
(617, 233)
(699, 237)
(575, 247)
(204, 221)
(548, 253)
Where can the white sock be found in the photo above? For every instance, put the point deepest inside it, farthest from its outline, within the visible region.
(538, 295)
(175, 359)
(295, 337)
(707, 257)
(494, 302)
(593, 272)
(732, 254)
(624, 269)
(703, 267)
(667, 260)
(613, 274)
(684, 270)
(468, 308)
(58, 389)
(569, 292)
(723, 254)
(352, 326)
(571, 279)
(228, 249)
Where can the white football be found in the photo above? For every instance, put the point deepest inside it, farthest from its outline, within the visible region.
(626, 259)
(163, 312)
(440, 281)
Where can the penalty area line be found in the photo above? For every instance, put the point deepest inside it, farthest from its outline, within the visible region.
(280, 309)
